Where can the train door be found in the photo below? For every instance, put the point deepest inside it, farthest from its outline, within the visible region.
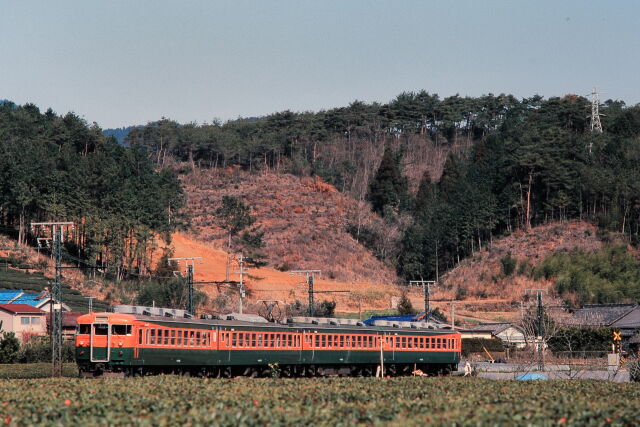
(100, 342)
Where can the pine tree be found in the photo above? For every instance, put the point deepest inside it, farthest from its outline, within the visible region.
(388, 187)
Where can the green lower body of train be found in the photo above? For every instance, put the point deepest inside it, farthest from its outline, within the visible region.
(230, 363)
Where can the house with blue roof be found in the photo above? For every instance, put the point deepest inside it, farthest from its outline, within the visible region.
(18, 296)
(8, 295)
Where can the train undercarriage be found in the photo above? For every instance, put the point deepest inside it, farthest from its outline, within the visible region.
(274, 370)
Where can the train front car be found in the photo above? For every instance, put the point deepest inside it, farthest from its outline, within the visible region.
(105, 343)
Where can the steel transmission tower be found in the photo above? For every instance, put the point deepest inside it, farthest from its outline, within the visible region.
(56, 310)
(596, 125)
(57, 233)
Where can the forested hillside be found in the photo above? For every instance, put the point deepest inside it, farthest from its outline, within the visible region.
(443, 176)
(450, 174)
(59, 168)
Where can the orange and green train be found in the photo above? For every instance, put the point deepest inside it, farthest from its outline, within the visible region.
(130, 344)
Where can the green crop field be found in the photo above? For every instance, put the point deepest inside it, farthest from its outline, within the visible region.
(170, 400)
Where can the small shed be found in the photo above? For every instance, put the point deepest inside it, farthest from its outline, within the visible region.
(508, 333)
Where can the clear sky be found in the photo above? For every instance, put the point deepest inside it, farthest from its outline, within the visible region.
(129, 62)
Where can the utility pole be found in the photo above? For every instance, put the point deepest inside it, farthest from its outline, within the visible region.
(310, 283)
(90, 303)
(57, 229)
(190, 264)
(426, 291)
(241, 273)
(453, 314)
(539, 325)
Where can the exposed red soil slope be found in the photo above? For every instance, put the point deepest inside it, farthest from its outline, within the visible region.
(304, 221)
(270, 284)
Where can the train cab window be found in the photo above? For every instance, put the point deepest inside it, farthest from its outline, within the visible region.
(100, 329)
(84, 329)
(121, 329)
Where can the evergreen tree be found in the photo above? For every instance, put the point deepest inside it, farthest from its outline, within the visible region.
(388, 187)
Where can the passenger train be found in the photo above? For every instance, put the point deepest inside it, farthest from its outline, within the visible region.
(126, 344)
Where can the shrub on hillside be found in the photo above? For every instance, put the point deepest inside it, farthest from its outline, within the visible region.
(508, 264)
(599, 277)
(404, 305)
(326, 309)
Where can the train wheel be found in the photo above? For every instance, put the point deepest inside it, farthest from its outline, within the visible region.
(225, 372)
(286, 371)
(367, 371)
(392, 370)
(311, 371)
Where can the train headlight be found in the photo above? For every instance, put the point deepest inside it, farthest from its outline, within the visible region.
(120, 343)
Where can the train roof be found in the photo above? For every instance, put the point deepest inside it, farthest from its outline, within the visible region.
(310, 323)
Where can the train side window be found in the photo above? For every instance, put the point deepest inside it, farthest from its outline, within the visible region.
(100, 329)
(198, 339)
(140, 332)
(153, 337)
(179, 338)
(278, 340)
(272, 338)
(119, 329)
(173, 337)
(166, 337)
(234, 339)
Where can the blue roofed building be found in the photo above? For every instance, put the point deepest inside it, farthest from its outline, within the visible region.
(8, 295)
(18, 296)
